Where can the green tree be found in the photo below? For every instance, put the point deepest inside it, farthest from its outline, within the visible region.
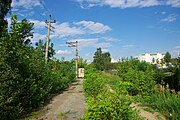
(167, 58)
(102, 61)
(51, 51)
(16, 70)
(98, 59)
(106, 60)
(82, 63)
(139, 74)
(5, 6)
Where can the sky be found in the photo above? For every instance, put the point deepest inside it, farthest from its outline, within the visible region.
(122, 27)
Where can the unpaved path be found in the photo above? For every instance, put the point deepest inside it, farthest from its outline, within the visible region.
(69, 105)
(147, 115)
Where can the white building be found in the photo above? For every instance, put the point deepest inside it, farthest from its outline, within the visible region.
(155, 58)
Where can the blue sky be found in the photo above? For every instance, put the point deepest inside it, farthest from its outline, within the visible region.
(122, 27)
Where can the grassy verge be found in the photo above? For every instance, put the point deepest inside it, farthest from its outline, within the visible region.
(165, 102)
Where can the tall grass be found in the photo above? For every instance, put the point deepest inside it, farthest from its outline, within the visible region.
(165, 102)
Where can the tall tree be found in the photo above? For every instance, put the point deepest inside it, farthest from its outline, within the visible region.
(16, 76)
(102, 60)
(106, 60)
(98, 59)
(167, 57)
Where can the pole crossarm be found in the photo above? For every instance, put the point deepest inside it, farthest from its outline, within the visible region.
(74, 44)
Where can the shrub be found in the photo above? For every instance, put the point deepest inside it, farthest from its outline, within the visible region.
(109, 106)
(105, 104)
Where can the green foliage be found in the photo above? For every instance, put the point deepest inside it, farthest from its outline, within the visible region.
(176, 61)
(169, 76)
(165, 102)
(5, 6)
(134, 78)
(82, 63)
(93, 85)
(41, 45)
(106, 60)
(102, 60)
(123, 87)
(98, 59)
(167, 58)
(139, 74)
(61, 74)
(105, 103)
(25, 79)
(109, 106)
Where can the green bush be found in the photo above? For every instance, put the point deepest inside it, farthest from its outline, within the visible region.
(93, 84)
(110, 106)
(61, 75)
(104, 104)
(140, 74)
(25, 79)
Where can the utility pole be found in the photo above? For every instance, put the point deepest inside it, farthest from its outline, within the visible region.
(50, 28)
(75, 44)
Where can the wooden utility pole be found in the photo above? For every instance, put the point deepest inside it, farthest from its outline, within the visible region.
(75, 44)
(77, 59)
(50, 28)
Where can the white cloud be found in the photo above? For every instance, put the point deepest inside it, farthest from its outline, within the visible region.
(71, 29)
(92, 42)
(63, 52)
(89, 42)
(127, 3)
(93, 27)
(114, 60)
(177, 47)
(127, 46)
(28, 4)
(110, 39)
(105, 50)
(37, 37)
(173, 3)
(171, 31)
(38, 24)
(118, 3)
(170, 18)
(65, 30)
(103, 45)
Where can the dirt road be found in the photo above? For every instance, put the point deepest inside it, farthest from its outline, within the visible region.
(69, 105)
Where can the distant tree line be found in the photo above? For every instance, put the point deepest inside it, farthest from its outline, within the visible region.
(130, 67)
